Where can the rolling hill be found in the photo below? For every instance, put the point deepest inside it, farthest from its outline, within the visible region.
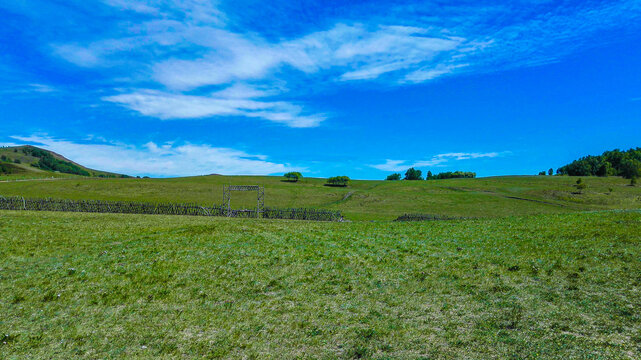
(31, 161)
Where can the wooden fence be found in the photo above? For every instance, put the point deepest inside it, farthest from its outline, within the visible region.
(127, 207)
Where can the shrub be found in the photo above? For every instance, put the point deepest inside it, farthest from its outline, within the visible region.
(413, 174)
(580, 185)
(17, 161)
(395, 176)
(338, 181)
(541, 173)
(3, 158)
(293, 176)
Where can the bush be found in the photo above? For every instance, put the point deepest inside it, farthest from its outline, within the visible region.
(3, 158)
(413, 174)
(17, 161)
(293, 176)
(633, 181)
(580, 185)
(392, 177)
(338, 181)
(541, 173)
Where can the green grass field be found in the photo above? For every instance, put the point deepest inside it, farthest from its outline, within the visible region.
(362, 200)
(563, 286)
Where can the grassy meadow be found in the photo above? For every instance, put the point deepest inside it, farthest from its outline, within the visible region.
(362, 199)
(561, 286)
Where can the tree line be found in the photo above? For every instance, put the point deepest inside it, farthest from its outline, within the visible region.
(416, 174)
(611, 163)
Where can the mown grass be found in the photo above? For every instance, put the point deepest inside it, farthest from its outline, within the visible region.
(362, 200)
(133, 286)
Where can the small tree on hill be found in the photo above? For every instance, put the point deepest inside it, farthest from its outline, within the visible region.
(293, 176)
(550, 172)
(541, 173)
(429, 175)
(338, 181)
(631, 168)
(413, 174)
(395, 176)
(580, 185)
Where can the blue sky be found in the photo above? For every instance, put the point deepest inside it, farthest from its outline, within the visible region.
(357, 88)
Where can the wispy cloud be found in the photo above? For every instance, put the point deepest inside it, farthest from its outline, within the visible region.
(167, 159)
(187, 45)
(437, 160)
(232, 101)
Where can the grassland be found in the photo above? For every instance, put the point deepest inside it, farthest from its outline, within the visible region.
(560, 286)
(362, 200)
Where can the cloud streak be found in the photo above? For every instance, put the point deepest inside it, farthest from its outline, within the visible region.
(232, 101)
(164, 160)
(437, 160)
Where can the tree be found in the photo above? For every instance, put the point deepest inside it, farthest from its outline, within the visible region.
(631, 168)
(580, 185)
(550, 172)
(338, 181)
(541, 173)
(395, 176)
(293, 176)
(413, 174)
(429, 175)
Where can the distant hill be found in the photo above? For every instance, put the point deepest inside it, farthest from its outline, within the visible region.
(32, 160)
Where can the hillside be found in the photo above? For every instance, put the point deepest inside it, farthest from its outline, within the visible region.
(33, 162)
(362, 199)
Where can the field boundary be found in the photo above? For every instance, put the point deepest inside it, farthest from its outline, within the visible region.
(128, 207)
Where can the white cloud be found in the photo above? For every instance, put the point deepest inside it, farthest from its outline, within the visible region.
(437, 160)
(160, 160)
(391, 165)
(233, 101)
(42, 88)
(78, 55)
(370, 53)
(194, 10)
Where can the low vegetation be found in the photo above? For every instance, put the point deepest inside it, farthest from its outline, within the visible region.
(135, 286)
